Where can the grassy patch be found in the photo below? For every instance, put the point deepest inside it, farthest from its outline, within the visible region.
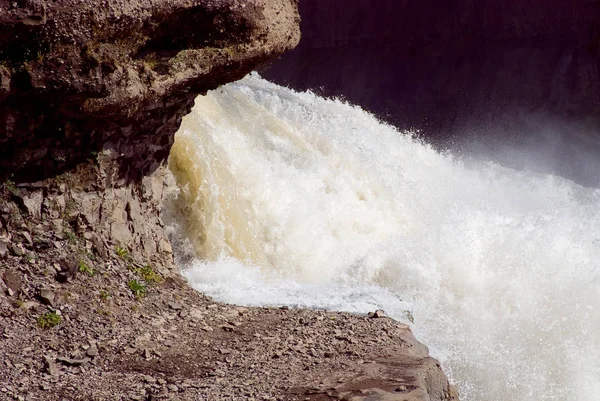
(138, 289)
(104, 295)
(84, 268)
(122, 253)
(49, 320)
(146, 273)
(71, 237)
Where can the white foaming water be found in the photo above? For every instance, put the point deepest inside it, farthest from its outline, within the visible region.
(287, 198)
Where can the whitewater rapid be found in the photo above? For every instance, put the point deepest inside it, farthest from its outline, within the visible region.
(288, 198)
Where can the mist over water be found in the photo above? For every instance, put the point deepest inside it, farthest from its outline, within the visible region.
(288, 198)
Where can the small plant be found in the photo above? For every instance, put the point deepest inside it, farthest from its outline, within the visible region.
(151, 61)
(138, 289)
(70, 205)
(104, 295)
(71, 237)
(84, 268)
(49, 320)
(230, 51)
(104, 312)
(11, 187)
(146, 273)
(122, 253)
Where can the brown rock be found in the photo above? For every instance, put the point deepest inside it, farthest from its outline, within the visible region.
(68, 268)
(119, 76)
(73, 361)
(17, 249)
(47, 297)
(27, 238)
(92, 351)
(3, 249)
(175, 306)
(33, 203)
(227, 327)
(50, 366)
(377, 314)
(13, 281)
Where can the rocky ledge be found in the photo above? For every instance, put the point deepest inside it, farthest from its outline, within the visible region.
(92, 305)
(81, 76)
(85, 317)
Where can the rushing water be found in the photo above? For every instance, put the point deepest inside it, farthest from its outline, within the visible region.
(288, 198)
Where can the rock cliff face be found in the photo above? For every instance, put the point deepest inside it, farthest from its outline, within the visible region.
(440, 65)
(78, 77)
(92, 93)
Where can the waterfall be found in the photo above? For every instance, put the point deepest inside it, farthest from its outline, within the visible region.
(289, 198)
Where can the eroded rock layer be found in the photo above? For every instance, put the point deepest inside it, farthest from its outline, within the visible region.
(80, 76)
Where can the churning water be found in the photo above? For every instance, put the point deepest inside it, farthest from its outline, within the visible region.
(288, 198)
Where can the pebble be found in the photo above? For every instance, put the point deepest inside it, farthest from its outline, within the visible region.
(377, 314)
(92, 351)
(47, 297)
(50, 366)
(227, 327)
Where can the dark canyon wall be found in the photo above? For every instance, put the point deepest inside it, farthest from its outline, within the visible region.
(444, 65)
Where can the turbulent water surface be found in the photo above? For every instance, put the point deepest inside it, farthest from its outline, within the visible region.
(287, 198)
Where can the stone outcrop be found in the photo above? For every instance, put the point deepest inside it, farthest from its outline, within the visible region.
(441, 66)
(78, 77)
(92, 93)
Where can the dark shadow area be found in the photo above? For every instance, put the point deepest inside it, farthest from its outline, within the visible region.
(461, 71)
